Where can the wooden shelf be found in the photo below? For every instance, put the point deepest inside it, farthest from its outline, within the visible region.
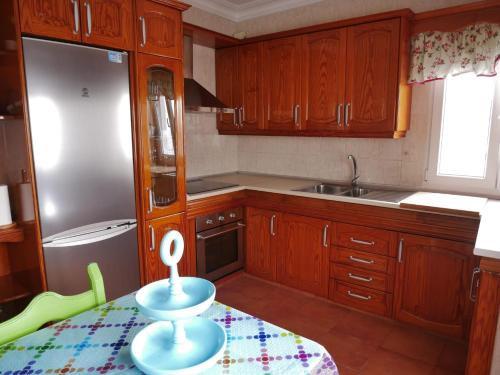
(14, 234)
(11, 289)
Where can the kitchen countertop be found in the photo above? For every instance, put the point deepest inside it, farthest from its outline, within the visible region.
(488, 211)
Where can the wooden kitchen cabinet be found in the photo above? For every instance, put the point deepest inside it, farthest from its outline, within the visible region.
(107, 23)
(432, 284)
(57, 19)
(323, 80)
(226, 63)
(159, 27)
(154, 269)
(281, 84)
(249, 86)
(304, 253)
(160, 101)
(262, 242)
(372, 78)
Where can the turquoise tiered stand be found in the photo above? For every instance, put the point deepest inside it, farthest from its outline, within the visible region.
(179, 342)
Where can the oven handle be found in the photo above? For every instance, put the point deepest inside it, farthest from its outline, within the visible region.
(233, 228)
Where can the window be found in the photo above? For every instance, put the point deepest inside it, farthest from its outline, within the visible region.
(465, 135)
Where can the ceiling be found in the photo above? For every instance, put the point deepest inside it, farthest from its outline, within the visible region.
(240, 10)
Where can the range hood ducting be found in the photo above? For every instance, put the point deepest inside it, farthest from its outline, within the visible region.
(196, 97)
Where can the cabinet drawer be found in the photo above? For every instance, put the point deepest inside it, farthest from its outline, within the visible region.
(361, 259)
(372, 240)
(370, 279)
(360, 298)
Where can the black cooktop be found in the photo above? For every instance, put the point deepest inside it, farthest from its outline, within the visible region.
(201, 186)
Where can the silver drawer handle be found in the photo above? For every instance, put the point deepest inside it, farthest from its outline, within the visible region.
(152, 245)
(360, 278)
(76, 16)
(339, 111)
(231, 229)
(271, 228)
(359, 296)
(89, 18)
(325, 235)
(474, 284)
(361, 242)
(142, 20)
(359, 260)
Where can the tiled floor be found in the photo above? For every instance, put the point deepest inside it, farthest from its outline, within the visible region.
(359, 343)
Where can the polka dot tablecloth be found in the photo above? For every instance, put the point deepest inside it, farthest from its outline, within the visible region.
(98, 341)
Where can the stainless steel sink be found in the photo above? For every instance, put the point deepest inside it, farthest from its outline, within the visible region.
(357, 192)
(330, 189)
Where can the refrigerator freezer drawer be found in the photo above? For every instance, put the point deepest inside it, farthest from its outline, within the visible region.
(117, 257)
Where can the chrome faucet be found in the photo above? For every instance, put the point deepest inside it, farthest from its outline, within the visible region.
(355, 176)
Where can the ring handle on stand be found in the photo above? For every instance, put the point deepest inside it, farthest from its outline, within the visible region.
(171, 260)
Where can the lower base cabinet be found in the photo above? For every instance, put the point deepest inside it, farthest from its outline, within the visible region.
(154, 269)
(303, 256)
(432, 284)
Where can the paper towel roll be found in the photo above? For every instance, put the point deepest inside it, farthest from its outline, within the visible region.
(5, 216)
(25, 210)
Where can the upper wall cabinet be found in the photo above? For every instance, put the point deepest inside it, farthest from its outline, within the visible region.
(372, 78)
(323, 80)
(159, 28)
(239, 86)
(51, 18)
(345, 81)
(282, 84)
(107, 23)
(226, 63)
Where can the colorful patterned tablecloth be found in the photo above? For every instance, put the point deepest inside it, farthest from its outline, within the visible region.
(98, 341)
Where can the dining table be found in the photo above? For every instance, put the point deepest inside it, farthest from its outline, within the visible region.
(98, 341)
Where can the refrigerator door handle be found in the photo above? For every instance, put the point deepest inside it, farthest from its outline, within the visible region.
(86, 236)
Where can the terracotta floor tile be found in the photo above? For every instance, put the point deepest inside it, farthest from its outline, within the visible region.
(384, 362)
(372, 329)
(416, 344)
(359, 343)
(347, 350)
(454, 357)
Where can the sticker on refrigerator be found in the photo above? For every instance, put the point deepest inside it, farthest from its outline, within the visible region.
(115, 57)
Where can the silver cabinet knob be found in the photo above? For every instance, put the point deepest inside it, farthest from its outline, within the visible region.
(222, 218)
(232, 215)
(209, 221)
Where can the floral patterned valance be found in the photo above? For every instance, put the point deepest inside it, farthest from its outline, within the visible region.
(437, 55)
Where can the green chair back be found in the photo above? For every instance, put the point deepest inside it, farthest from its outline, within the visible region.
(50, 306)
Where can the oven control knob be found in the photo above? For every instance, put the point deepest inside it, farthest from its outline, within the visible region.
(232, 215)
(221, 218)
(209, 221)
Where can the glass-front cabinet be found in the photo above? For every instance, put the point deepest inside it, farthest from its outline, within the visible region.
(162, 155)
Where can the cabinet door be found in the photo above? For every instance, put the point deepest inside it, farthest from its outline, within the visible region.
(281, 69)
(249, 91)
(303, 253)
(372, 77)
(432, 282)
(159, 29)
(226, 83)
(155, 231)
(107, 23)
(51, 18)
(261, 241)
(160, 119)
(323, 80)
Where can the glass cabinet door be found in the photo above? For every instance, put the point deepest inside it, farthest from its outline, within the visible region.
(161, 119)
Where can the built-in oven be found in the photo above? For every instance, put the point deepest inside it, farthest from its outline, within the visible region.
(219, 243)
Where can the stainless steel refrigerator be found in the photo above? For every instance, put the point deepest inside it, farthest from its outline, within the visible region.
(80, 121)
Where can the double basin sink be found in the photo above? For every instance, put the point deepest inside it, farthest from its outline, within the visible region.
(358, 192)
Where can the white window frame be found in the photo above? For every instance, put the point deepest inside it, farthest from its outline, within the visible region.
(490, 185)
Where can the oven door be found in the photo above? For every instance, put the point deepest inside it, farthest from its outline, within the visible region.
(219, 251)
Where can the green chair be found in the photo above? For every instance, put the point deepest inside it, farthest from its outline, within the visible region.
(50, 306)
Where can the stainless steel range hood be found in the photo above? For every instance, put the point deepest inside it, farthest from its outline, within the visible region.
(196, 97)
